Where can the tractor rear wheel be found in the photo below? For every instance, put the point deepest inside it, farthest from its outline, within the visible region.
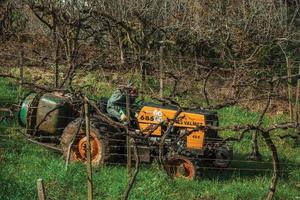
(182, 167)
(74, 143)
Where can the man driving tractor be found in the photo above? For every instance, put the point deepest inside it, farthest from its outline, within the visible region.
(116, 105)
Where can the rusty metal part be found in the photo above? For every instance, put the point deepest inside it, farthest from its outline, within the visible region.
(181, 167)
(49, 146)
(9, 115)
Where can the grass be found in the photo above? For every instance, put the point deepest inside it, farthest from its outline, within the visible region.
(22, 163)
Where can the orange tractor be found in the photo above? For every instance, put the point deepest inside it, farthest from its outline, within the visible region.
(165, 134)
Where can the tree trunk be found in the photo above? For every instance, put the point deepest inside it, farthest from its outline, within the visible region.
(290, 93)
(255, 154)
(122, 60)
(21, 68)
(161, 73)
(56, 67)
(143, 70)
(296, 112)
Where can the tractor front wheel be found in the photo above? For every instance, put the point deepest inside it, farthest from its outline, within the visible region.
(182, 167)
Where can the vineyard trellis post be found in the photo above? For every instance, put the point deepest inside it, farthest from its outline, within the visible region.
(88, 150)
(56, 67)
(128, 138)
(297, 97)
(161, 73)
(21, 70)
(290, 90)
(41, 189)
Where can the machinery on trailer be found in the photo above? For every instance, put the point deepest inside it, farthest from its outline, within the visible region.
(184, 147)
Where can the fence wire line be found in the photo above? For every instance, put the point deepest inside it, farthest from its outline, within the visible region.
(112, 139)
(290, 168)
(154, 60)
(143, 143)
(259, 164)
(124, 155)
(138, 135)
(114, 146)
(7, 137)
(167, 74)
(258, 98)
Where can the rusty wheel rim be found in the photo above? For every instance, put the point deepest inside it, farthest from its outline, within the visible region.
(185, 169)
(96, 150)
(182, 168)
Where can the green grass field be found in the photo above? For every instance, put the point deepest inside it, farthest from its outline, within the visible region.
(22, 163)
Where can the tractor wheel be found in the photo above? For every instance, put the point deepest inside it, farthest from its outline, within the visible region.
(74, 141)
(182, 167)
(223, 156)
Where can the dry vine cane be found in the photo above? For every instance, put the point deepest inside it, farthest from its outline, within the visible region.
(137, 168)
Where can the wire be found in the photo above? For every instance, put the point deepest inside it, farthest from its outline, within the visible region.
(124, 155)
(204, 159)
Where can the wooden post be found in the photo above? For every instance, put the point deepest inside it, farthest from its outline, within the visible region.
(161, 73)
(56, 70)
(122, 60)
(297, 97)
(143, 85)
(88, 150)
(21, 69)
(290, 94)
(144, 59)
(41, 189)
(128, 139)
(55, 45)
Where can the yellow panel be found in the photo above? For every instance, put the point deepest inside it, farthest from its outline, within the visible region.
(154, 115)
(195, 140)
(190, 120)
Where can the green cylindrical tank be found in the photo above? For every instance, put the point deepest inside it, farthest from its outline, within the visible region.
(48, 113)
(54, 112)
(25, 108)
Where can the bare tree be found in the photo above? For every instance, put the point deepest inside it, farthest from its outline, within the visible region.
(68, 22)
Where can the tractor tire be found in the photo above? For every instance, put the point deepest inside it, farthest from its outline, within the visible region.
(223, 156)
(180, 166)
(74, 146)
